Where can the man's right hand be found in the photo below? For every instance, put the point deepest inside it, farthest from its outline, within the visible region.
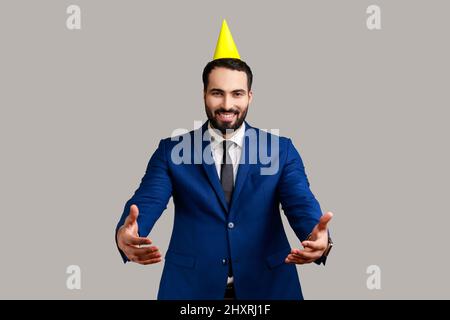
(130, 243)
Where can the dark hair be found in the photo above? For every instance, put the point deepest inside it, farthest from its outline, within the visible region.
(229, 63)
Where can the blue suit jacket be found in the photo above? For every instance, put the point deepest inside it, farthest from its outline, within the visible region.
(207, 234)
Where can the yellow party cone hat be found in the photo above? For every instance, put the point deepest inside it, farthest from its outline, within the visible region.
(225, 48)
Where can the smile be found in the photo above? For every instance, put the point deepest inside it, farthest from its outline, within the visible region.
(226, 116)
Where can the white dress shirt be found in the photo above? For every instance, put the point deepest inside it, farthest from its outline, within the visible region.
(235, 151)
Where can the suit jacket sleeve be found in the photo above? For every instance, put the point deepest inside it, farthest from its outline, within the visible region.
(152, 196)
(298, 202)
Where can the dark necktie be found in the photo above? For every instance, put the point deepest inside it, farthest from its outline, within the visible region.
(226, 172)
(227, 180)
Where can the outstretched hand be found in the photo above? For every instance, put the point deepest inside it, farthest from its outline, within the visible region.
(130, 243)
(316, 244)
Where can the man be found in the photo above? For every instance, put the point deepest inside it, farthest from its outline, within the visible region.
(228, 241)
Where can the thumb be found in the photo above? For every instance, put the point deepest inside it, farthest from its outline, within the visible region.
(132, 216)
(322, 225)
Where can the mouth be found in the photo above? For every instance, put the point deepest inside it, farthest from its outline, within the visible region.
(226, 116)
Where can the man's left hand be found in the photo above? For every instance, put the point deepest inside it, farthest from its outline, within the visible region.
(314, 246)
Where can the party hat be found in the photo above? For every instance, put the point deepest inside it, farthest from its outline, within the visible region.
(225, 48)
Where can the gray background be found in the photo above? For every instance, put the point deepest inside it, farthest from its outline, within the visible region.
(82, 112)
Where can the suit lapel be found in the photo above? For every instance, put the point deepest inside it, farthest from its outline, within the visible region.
(243, 169)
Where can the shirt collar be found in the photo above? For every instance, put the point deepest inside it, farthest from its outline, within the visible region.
(217, 138)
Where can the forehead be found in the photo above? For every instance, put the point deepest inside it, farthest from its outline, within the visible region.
(227, 80)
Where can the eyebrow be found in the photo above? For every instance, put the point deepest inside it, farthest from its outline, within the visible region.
(234, 91)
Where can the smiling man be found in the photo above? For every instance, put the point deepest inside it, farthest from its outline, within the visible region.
(228, 240)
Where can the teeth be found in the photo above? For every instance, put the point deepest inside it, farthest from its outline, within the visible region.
(227, 115)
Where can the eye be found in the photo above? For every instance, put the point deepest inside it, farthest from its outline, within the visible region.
(216, 93)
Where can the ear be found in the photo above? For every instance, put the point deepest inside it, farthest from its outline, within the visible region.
(250, 96)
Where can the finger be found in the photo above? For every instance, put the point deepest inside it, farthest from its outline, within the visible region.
(314, 245)
(136, 241)
(291, 258)
(150, 261)
(301, 260)
(139, 257)
(301, 254)
(294, 260)
(324, 221)
(142, 252)
(132, 216)
(296, 251)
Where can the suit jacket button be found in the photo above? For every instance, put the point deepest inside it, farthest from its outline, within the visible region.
(231, 225)
(224, 261)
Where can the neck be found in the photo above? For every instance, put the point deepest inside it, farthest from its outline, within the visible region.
(229, 133)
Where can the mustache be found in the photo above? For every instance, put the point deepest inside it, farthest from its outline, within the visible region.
(221, 110)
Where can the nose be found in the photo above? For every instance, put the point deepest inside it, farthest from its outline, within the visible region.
(228, 103)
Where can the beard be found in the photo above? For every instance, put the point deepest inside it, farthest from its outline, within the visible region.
(226, 127)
